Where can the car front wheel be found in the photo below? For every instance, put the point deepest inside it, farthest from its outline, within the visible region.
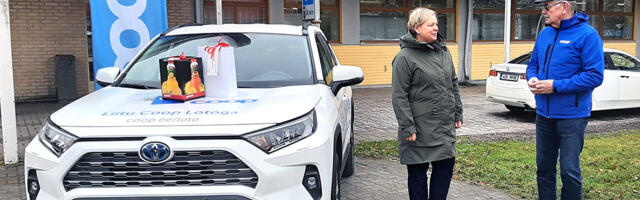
(349, 167)
(350, 163)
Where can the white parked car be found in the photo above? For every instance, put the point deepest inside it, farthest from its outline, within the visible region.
(507, 83)
(288, 134)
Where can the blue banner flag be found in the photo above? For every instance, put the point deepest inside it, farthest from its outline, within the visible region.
(121, 28)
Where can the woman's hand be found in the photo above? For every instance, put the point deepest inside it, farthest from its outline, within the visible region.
(458, 124)
(412, 138)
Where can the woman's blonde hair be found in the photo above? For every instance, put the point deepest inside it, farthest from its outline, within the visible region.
(418, 16)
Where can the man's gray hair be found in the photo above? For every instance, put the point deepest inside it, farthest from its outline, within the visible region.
(573, 6)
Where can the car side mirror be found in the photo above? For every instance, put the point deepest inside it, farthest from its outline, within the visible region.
(106, 76)
(344, 75)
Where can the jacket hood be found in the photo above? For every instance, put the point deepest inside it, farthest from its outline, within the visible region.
(578, 18)
(409, 41)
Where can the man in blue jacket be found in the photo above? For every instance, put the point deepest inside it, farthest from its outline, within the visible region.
(566, 65)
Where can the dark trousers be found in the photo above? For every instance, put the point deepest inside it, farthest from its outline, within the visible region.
(440, 179)
(563, 137)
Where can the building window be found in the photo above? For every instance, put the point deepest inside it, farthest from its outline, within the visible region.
(381, 25)
(384, 20)
(236, 11)
(526, 26)
(588, 6)
(616, 19)
(329, 17)
(613, 19)
(488, 20)
(526, 21)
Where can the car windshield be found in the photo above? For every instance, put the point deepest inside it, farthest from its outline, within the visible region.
(262, 60)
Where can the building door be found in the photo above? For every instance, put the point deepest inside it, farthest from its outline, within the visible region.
(237, 11)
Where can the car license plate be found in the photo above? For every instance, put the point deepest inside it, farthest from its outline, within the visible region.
(509, 76)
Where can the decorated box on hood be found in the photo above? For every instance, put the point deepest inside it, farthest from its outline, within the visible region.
(181, 78)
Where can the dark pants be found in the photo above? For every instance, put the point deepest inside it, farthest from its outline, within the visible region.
(440, 179)
(566, 138)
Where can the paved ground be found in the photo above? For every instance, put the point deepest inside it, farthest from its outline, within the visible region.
(375, 120)
(374, 179)
(384, 180)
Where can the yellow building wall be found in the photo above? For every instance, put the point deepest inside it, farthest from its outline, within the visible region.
(375, 60)
(483, 55)
(517, 49)
(629, 47)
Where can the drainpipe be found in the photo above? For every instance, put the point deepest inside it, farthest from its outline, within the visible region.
(637, 29)
(198, 9)
(464, 40)
(276, 12)
(507, 30)
(218, 11)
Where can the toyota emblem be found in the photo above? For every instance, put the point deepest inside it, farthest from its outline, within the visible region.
(155, 152)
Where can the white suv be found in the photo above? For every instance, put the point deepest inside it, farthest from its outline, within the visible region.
(288, 134)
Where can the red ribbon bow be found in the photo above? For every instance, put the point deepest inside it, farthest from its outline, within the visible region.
(212, 50)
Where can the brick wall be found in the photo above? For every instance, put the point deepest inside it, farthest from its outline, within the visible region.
(179, 12)
(41, 29)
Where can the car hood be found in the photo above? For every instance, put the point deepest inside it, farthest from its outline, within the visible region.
(126, 107)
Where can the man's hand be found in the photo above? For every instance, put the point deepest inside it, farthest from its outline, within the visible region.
(543, 87)
(412, 138)
(458, 124)
(532, 84)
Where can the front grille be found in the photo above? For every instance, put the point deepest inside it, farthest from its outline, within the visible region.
(186, 168)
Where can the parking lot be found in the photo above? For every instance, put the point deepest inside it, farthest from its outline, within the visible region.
(375, 120)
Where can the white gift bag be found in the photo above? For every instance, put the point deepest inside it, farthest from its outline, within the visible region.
(219, 71)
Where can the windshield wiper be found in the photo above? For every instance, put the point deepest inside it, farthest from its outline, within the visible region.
(137, 86)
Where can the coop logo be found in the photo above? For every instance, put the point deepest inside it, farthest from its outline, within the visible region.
(240, 101)
(159, 101)
(121, 28)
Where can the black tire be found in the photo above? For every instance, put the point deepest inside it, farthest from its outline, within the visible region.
(335, 178)
(349, 167)
(514, 109)
(350, 163)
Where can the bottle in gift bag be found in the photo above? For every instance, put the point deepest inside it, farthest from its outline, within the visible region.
(195, 84)
(170, 86)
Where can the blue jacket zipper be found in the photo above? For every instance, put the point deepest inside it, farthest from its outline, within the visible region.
(546, 70)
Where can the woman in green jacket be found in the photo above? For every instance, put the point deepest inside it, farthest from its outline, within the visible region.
(427, 105)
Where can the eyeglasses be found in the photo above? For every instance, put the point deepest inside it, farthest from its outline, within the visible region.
(547, 6)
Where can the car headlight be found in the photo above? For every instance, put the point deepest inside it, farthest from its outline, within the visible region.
(56, 139)
(280, 136)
